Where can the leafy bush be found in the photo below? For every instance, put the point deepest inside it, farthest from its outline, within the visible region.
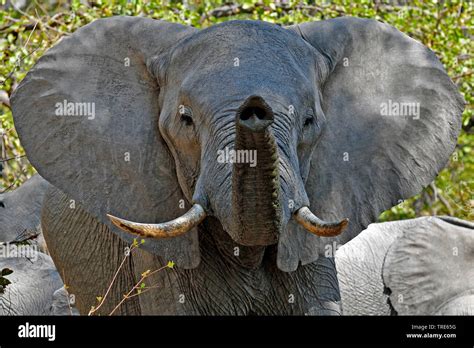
(445, 27)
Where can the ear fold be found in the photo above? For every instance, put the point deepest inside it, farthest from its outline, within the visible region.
(87, 115)
(393, 117)
(428, 270)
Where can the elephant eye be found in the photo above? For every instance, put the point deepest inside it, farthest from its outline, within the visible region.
(188, 120)
(308, 121)
(186, 115)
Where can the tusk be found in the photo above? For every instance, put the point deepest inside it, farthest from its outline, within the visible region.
(169, 229)
(315, 225)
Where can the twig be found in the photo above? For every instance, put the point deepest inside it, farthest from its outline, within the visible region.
(41, 7)
(12, 158)
(17, 65)
(23, 172)
(234, 9)
(102, 301)
(45, 25)
(8, 188)
(5, 131)
(29, 36)
(144, 276)
(442, 199)
(457, 77)
(4, 98)
(148, 288)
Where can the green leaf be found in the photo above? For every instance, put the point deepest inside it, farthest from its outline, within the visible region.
(6, 271)
(4, 282)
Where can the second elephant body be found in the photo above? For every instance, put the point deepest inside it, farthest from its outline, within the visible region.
(420, 266)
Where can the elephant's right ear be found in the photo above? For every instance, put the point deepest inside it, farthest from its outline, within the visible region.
(87, 116)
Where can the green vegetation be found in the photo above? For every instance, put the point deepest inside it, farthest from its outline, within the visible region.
(444, 26)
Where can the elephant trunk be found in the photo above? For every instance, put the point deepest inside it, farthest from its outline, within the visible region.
(256, 186)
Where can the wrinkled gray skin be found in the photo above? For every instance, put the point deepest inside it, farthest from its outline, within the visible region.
(36, 287)
(306, 98)
(20, 213)
(412, 267)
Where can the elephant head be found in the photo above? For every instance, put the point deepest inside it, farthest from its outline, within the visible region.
(261, 127)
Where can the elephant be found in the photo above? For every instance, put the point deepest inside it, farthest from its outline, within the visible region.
(34, 286)
(239, 152)
(20, 213)
(420, 266)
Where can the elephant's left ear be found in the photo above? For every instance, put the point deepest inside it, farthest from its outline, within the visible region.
(393, 117)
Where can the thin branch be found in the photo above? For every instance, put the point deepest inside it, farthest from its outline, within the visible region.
(8, 188)
(234, 9)
(41, 7)
(17, 65)
(128, 295)
(22, 172)
(438, 194)
(148, 288)
(12, 158)
(457, 77)
(102, 301)
(29, 36)
(45, 25)
(4, 98)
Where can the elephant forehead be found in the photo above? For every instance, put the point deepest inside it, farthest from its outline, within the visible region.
(250, 45)
(280, 83)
